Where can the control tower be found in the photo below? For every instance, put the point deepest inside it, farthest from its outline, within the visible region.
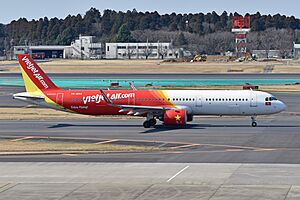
(241, 27)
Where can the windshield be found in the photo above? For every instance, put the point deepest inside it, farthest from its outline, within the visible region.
(270, 99)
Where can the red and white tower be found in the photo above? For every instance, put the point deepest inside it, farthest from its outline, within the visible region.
(241, 26)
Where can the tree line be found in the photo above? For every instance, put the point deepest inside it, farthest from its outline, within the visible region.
(209, 33)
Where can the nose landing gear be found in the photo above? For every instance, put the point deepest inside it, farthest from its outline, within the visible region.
(254, 123)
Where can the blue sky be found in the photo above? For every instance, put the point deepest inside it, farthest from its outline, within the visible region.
(34, 9)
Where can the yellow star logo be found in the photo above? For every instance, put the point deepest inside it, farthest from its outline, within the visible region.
(177, 117)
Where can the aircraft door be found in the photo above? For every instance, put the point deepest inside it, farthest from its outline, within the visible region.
(253, 99)
(131, 100)
(60, 99)
(198, 101)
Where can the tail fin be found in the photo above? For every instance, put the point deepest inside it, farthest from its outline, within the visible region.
(34, 78)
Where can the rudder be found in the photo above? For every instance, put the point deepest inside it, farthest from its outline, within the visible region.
(34, 78)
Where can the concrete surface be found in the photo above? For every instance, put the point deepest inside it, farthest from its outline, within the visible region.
(148, 181)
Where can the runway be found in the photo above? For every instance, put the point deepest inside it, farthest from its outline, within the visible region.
(208, 139)
(211, 140)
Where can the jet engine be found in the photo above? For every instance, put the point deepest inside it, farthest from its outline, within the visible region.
(175, 117)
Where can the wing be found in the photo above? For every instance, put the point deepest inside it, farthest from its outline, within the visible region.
(140, 110)
(136, 110)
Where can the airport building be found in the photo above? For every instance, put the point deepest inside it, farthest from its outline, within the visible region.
(41, 52)
(82, 48)
(141, 51)
(266, 53)
(296, 50)
(85, 48)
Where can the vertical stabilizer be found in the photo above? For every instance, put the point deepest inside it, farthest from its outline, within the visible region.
(34, 78)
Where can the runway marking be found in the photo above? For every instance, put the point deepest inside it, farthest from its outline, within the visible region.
(234, 150)
(264, 149)
(230, 146)
(20, 139)
(177, 174)
(7, 187)
(70, 154)
(105, 142)
(26, 138)
(185, 146)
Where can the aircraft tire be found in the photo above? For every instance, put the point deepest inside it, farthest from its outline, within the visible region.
(254, 124)
(146, 124)
(152, 122)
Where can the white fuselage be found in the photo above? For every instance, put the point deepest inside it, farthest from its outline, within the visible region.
(226, 102)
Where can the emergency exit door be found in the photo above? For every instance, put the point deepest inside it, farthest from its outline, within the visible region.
(60, 99)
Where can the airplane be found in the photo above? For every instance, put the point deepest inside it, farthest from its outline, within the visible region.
(172, 107)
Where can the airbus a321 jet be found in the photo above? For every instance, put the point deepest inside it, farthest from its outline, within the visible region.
(173, 107)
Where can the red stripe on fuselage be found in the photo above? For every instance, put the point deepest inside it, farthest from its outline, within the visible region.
(91, 102)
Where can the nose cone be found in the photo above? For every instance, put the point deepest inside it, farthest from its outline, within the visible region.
(281, 106)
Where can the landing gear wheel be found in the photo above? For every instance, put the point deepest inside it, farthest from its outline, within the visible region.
(254, 124)
(152, 122)
(146, 124)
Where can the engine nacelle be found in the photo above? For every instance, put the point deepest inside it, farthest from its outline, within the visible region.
(175, 117)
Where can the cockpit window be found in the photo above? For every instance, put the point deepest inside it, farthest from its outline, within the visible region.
(270, 99)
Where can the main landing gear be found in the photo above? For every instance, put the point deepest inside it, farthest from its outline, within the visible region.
(254, 123)
(149, 123)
